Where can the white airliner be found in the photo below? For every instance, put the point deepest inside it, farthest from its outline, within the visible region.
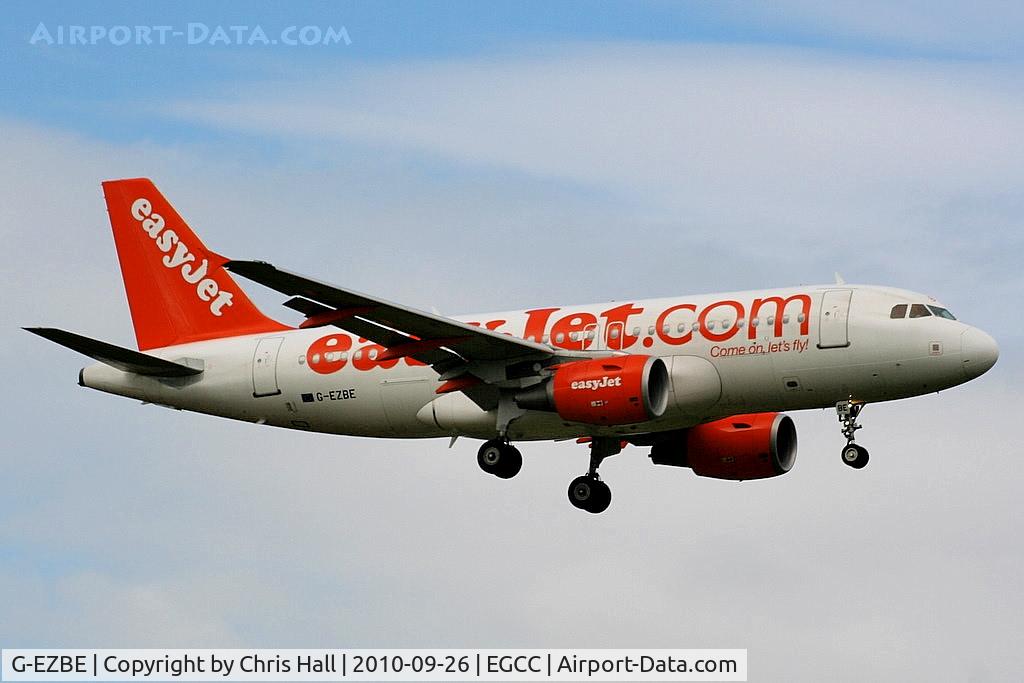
(699, 380)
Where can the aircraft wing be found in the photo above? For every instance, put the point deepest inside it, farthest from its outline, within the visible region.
(402, 330)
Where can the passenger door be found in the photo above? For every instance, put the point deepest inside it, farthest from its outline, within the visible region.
(833, 319)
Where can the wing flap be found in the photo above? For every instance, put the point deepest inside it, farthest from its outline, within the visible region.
(306, 307)
(118, 357)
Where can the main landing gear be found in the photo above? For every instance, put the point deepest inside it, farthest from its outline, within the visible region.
(500, 458)
(588, 492)
(853, 455)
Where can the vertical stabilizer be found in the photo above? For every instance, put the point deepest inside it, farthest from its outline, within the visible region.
(177, 290)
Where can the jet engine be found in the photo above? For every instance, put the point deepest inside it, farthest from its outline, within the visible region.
(617, 390)
(755, 446)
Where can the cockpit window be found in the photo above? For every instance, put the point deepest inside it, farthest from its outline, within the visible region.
(919, 311)
(898, 311)
(942, 312)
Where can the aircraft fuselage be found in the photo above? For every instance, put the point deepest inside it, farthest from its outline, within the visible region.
(741, 352)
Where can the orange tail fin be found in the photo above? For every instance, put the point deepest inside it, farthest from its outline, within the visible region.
(177, 290)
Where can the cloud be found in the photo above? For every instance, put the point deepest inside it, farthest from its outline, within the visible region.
(495, 184)
(295, 539)
(657, 120)
(712, 166)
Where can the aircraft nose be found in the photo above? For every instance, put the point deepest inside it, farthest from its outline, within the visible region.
(979, 352)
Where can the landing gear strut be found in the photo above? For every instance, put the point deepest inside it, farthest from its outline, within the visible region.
(499, 458)
(853, 455)
(588, 492)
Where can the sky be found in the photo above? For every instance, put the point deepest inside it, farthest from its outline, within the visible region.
(488, 156)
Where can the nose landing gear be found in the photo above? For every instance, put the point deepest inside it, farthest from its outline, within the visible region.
(853, 455)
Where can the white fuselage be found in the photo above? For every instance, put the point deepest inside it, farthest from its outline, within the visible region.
(739, 352)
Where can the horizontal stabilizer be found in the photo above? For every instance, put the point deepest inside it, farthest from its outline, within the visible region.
(115, 356)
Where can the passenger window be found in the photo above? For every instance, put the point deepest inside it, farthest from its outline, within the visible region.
(898, 311)
(919, 311)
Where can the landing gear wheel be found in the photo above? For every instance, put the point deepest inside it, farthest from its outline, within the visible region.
(590, 494)
(501, 459)
(855, 456)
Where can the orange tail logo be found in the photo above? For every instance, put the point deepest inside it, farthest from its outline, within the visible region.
(177, 290)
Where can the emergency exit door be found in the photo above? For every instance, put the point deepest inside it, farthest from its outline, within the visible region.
(264, 367)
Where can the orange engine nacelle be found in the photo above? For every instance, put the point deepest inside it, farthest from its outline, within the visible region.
(607, 391)
(755, 446)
